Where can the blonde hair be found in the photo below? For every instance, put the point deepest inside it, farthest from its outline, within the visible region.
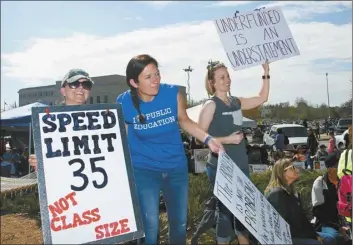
(277, 177)
(209, 81)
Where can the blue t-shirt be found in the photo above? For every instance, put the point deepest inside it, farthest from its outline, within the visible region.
(155, 144)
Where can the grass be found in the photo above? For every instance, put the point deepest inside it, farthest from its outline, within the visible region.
(20, 220)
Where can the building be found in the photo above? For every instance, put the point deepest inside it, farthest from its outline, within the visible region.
(105, 90)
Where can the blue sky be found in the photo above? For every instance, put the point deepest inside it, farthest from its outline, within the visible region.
(42, 40)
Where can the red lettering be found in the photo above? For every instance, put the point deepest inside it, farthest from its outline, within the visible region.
(115, 226)
(62, 204)
(77, 220)
(55, 209)
(71, 198)
(124, 225)
(52, 224)
(95, 214)
(86, 218)
(99, 233)
(112, 229)
(65, 226)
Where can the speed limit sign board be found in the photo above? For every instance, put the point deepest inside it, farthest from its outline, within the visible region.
(86, 186)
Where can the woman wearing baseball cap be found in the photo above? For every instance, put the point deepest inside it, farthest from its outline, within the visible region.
(75, 88)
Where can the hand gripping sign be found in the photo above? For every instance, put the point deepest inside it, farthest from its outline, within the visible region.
(86, 186)
(236, 191)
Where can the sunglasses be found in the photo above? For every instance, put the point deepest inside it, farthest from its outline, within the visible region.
(292, 167)
(85, 84)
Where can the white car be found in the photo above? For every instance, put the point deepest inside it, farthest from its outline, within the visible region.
(340, 142)
(297, 134)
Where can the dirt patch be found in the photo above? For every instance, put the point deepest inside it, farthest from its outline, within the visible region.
(19, 229)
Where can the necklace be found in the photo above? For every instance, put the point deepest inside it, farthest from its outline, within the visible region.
(226, 101)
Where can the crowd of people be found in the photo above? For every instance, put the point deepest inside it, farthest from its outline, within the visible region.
(13, 161)
(160, 163)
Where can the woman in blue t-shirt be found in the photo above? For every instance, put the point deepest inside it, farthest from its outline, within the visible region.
(153, 113)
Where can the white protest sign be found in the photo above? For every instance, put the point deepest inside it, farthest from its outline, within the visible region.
(200, 158)
(299, 164)
(322, 165)
(251, 38)
(86, 185)
(258, 168)
(236, 191)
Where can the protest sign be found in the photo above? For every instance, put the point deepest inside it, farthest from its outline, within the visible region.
(299, 164)
(258, 168)
(86, 186)
(200, 158)
(251, 38)
(236, 191)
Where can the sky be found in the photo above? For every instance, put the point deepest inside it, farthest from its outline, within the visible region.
(41, 41)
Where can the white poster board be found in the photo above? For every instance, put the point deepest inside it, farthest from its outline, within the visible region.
(258, 168)
(236, 191)
(299, 164)
(251, 38)
(200, 158)
(86, 186)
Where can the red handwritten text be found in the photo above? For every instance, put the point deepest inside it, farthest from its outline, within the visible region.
(112, 229)
(59, 223)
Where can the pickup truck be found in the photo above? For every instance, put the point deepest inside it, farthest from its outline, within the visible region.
(297, 134)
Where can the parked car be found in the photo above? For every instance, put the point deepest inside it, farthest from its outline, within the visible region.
(340, 142)
(297, 134)
(343, 125)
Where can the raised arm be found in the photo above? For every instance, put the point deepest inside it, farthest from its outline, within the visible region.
(253, 102)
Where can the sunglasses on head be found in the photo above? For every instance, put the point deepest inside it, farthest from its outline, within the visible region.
(85, 84)
(290, 167)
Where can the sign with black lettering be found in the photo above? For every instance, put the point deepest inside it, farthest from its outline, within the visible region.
(236, 191)
(85, 179)
(258, 168)
(251, 38)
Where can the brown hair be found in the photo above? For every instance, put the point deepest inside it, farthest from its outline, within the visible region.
(133, 70)
(277, 177)
(209, 81)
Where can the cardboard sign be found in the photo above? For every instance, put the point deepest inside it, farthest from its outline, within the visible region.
(251, 38)
(236, 191)
(258, 168)
(299, 164)
(200, 158)
(319, 165)
(86, 186)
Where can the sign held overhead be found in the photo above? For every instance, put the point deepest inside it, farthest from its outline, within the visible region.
(251, 38)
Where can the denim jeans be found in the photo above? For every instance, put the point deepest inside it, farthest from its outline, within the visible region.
(309, 161)
(174, 185)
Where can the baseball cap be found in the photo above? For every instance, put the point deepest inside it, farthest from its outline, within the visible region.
(75, 74)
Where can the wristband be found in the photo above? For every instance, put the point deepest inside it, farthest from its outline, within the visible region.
(207, 139)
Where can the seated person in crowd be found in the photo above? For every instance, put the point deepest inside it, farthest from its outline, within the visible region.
(8, 163)
(321, 154)
(281, 193)
(324, 199)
